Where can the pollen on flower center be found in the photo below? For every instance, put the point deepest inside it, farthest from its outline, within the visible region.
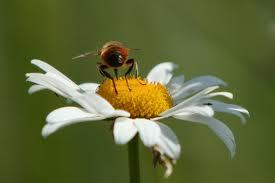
(143, 100)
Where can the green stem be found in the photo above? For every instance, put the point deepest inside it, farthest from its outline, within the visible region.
(133, 160)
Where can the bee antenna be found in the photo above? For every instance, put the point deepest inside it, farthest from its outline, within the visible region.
(86, 54)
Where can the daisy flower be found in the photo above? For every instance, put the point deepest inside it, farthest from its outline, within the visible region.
(138, 111)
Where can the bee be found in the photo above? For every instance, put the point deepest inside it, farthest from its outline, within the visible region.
(114, 55)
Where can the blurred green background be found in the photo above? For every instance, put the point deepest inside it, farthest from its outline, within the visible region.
(233, 40)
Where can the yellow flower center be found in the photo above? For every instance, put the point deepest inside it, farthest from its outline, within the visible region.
(143, 100)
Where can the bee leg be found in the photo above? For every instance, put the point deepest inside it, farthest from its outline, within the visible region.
(136, 74)
(130, 62)
(116, 74)
(134, 63)
(136, 67)
(110, 77)
(100, 67)
(102, 71)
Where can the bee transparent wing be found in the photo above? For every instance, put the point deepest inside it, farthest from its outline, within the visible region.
(86, 54)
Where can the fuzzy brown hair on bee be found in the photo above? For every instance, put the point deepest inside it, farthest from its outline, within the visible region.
(114, 55)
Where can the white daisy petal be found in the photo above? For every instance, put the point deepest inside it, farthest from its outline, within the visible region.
(202, 110)
(219, 128)
(50, 80)
(122, 113)
(189, 110)
(41, 79)
(100, 105)
(65, 84)
(190, 87)
(188, 102)
(36, 88)
(61, 87)
(89, 87)
(70, 114)
(48, 68)
(66, 116)
(162, 73)
(45, 66)
(175, 84)
(49, 129)
(149, 131)
(229, 108)
(124, 130)
(225, 94)
(168, 142)
(93, 102)
(90, 101)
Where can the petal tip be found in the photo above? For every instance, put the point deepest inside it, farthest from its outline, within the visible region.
(122, 113)
(172, 65)
(45, 132)
(232, 154)
(247, 113)
(35, 61)
(175, 66)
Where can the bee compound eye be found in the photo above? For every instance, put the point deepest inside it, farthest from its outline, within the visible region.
(115, 59)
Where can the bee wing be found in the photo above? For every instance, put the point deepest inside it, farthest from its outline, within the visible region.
(86, 54)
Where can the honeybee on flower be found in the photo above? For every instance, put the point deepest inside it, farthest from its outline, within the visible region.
(114, 55)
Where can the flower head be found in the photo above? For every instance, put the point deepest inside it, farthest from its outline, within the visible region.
(138, 110)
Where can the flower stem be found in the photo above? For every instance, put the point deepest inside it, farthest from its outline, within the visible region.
(133, 160)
